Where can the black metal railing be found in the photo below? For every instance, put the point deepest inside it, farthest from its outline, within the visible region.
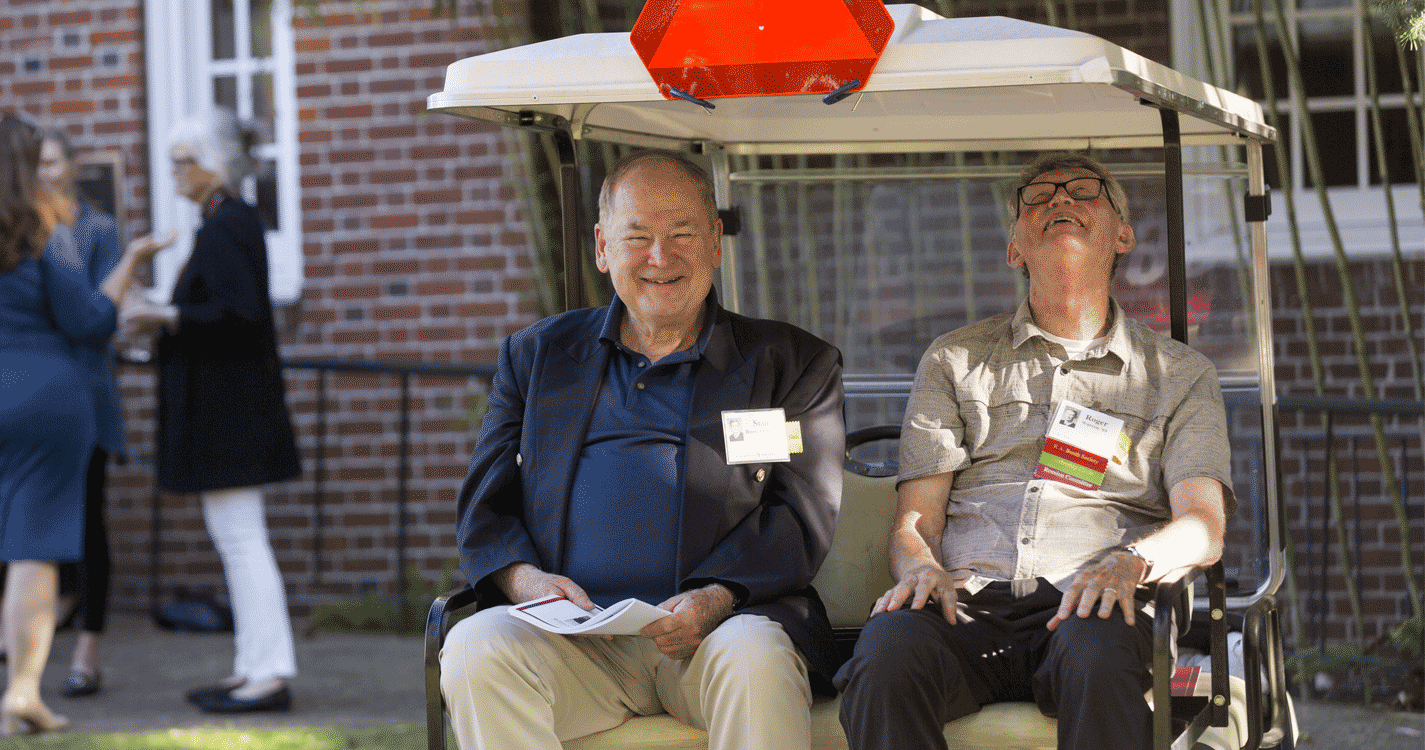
(1346, 429)
(405, 373)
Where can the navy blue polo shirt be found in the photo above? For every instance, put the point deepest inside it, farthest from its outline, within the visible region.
(625, 510)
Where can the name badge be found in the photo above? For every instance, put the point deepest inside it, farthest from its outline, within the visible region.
(756, 435)
(1079, 445)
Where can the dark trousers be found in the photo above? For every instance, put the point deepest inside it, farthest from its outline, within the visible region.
(88, 579)
(912, 673)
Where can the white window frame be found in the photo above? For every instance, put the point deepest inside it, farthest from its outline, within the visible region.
(181, 75)
(1359, 210)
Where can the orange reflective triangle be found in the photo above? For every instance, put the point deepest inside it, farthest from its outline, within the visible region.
(740, 32)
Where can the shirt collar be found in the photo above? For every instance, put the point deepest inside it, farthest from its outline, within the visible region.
(1116, 342)
(613, 318)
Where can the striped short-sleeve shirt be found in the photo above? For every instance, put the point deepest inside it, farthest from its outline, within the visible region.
(981, 406)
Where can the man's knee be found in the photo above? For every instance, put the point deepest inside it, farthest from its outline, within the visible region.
(480, 647)
(896, 648)
(754, 647)
(1090, 653)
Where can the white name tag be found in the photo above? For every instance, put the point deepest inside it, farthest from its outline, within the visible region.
(755, 436)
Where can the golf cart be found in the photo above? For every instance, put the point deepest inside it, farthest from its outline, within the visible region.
(864, 202)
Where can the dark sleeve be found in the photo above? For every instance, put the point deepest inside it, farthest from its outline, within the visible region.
(226, 297)
(490, 513)
(778, 548)
(81, 312)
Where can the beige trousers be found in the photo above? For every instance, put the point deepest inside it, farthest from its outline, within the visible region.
(508, 684)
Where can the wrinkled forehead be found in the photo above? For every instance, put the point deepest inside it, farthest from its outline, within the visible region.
(1061, 175)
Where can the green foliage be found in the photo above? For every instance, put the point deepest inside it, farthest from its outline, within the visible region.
(1406, 19)
(1332, 658)
(476, 404)
(1409, 636)
(376, 613)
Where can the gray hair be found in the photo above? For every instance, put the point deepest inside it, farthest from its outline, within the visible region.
(220, 143)
(1067, 160)
(688, 167)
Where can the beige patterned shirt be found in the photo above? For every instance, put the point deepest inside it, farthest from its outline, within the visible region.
(980, 408)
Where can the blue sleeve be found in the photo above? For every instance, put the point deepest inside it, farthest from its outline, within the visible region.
(80, 311)
(97, 236)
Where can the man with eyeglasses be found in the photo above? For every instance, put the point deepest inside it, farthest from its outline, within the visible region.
(1025, 544)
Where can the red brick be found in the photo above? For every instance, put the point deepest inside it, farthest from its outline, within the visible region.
(394, 221)
(71, 107)
(348, 111)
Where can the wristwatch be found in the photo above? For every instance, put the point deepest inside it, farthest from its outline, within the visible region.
(1133, 550)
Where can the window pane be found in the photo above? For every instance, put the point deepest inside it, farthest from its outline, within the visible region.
(1280, 150)
(1336, 142)
(267, 195)
(262, 105)
(1396, 128)
(1327, 67)
(261, 24)
(1387, 60)
(225, 92)
(1249, 70)
(224, 45)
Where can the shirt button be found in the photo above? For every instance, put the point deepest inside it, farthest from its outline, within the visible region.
(641, 386)
(761, 474)
(1025, 540)
(641, 363)
(1064, 370)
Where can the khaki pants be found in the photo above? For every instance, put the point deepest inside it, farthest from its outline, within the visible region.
(508, 684)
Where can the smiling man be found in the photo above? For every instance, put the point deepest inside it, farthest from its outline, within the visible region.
(1055, 462)
(606, 469)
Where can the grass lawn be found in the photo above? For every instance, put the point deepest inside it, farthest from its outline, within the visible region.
(327, 738)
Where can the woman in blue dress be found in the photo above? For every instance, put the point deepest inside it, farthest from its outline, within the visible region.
(48, 308)
(84, 585)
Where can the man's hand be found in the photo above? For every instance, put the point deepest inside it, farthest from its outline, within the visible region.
(696, 613)
(928, 583)
(1110, 583)
(522, 582)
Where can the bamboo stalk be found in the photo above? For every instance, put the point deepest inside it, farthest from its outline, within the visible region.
(1313, 163)
(840, 230)
(758, 224)
(1303, 293)
(1397, 260)
(811, 259)
(784, 244)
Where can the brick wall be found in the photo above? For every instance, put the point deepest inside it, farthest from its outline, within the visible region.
(1369, 519)
(415, 250)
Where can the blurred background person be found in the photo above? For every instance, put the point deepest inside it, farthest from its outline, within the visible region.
(84, 585)
(223, 425)
(48, 308)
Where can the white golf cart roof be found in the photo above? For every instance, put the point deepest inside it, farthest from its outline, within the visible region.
(963, 84)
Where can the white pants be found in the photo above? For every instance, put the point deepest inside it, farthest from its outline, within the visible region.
(237, 523)
(508, 684)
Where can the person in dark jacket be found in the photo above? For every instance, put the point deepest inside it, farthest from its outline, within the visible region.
(48, 310)
(223, 425)
(605, 470)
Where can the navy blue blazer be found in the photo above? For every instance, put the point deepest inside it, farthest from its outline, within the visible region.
(761, 529)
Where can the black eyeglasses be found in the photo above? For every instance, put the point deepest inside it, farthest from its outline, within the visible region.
(1079, 188)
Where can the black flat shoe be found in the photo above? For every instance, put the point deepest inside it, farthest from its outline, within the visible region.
(198, 696)
(79, 684)
(277, 700)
